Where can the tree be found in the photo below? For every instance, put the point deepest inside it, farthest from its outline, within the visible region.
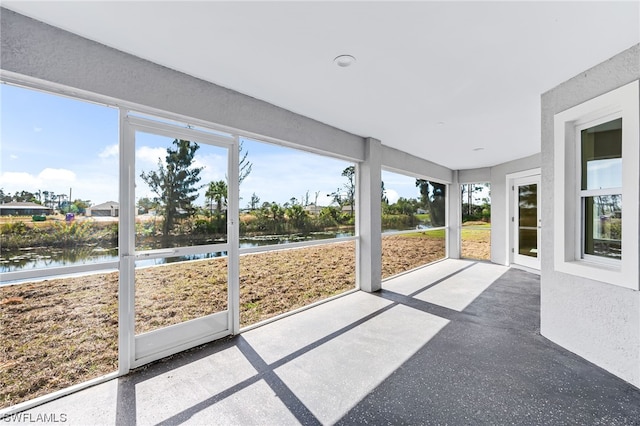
(78, 206)
(175, 182)
(145, 204)
(217, 192)
(4, 197)
(61, 198)
(432, 196)
(25, 196)
(383, 194)
(297, 217)
(244, 166)
(469, 190)
(52, 199)
(277, 213)
(254, 201)
(350, 174)
(348, 189)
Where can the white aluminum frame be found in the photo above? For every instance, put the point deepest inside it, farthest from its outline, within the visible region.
(157, 344)
(125, 265)
(447, 208)
(56, 272)
(582, 194)
(509, 195)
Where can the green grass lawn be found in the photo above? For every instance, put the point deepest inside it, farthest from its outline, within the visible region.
(437, 234)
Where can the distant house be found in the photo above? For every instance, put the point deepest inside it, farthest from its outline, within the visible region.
(108, 209)
(23, 209)
(313, 209)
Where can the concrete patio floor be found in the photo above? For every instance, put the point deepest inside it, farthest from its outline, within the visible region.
(454, 343)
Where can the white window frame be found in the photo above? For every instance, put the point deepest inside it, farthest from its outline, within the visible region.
(624, 103)
(583, 194)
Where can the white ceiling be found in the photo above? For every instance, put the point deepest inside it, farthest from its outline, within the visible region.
(435, 79)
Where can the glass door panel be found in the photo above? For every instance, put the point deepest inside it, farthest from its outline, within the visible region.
(180, 193)
(527, 222)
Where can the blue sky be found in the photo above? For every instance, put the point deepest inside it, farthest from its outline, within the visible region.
(56, 144)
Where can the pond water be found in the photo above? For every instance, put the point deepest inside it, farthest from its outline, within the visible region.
(46, 257)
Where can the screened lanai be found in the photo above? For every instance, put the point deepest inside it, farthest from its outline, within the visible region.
(269, 205)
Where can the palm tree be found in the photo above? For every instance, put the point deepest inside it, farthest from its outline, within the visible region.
(217, 192)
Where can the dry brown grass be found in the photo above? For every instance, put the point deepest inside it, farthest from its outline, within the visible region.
(63, 333)
(12, 301)
(476, 243)
(65, 330)
(276, 282)
(405, 252)
(177, 292)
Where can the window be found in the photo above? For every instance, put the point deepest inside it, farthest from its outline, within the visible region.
(58, 243)
(297, 226)
(601, 190)
(595, 169)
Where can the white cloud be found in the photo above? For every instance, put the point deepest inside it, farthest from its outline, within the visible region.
(58, 180)
(57, 175)
(37, 129)
(146, 154)
(109, 151)
(392, 196)
(13, 157)
(17, 181)
(215, 167)
(98, 187)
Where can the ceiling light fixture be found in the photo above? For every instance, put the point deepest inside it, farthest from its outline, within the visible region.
(344, 60)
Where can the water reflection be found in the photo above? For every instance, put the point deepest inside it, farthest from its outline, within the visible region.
(47, 257)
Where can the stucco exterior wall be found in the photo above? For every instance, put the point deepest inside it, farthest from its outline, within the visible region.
(598, 321)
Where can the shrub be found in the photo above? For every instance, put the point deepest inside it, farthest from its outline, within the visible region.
(13, 228)
(399, 221)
